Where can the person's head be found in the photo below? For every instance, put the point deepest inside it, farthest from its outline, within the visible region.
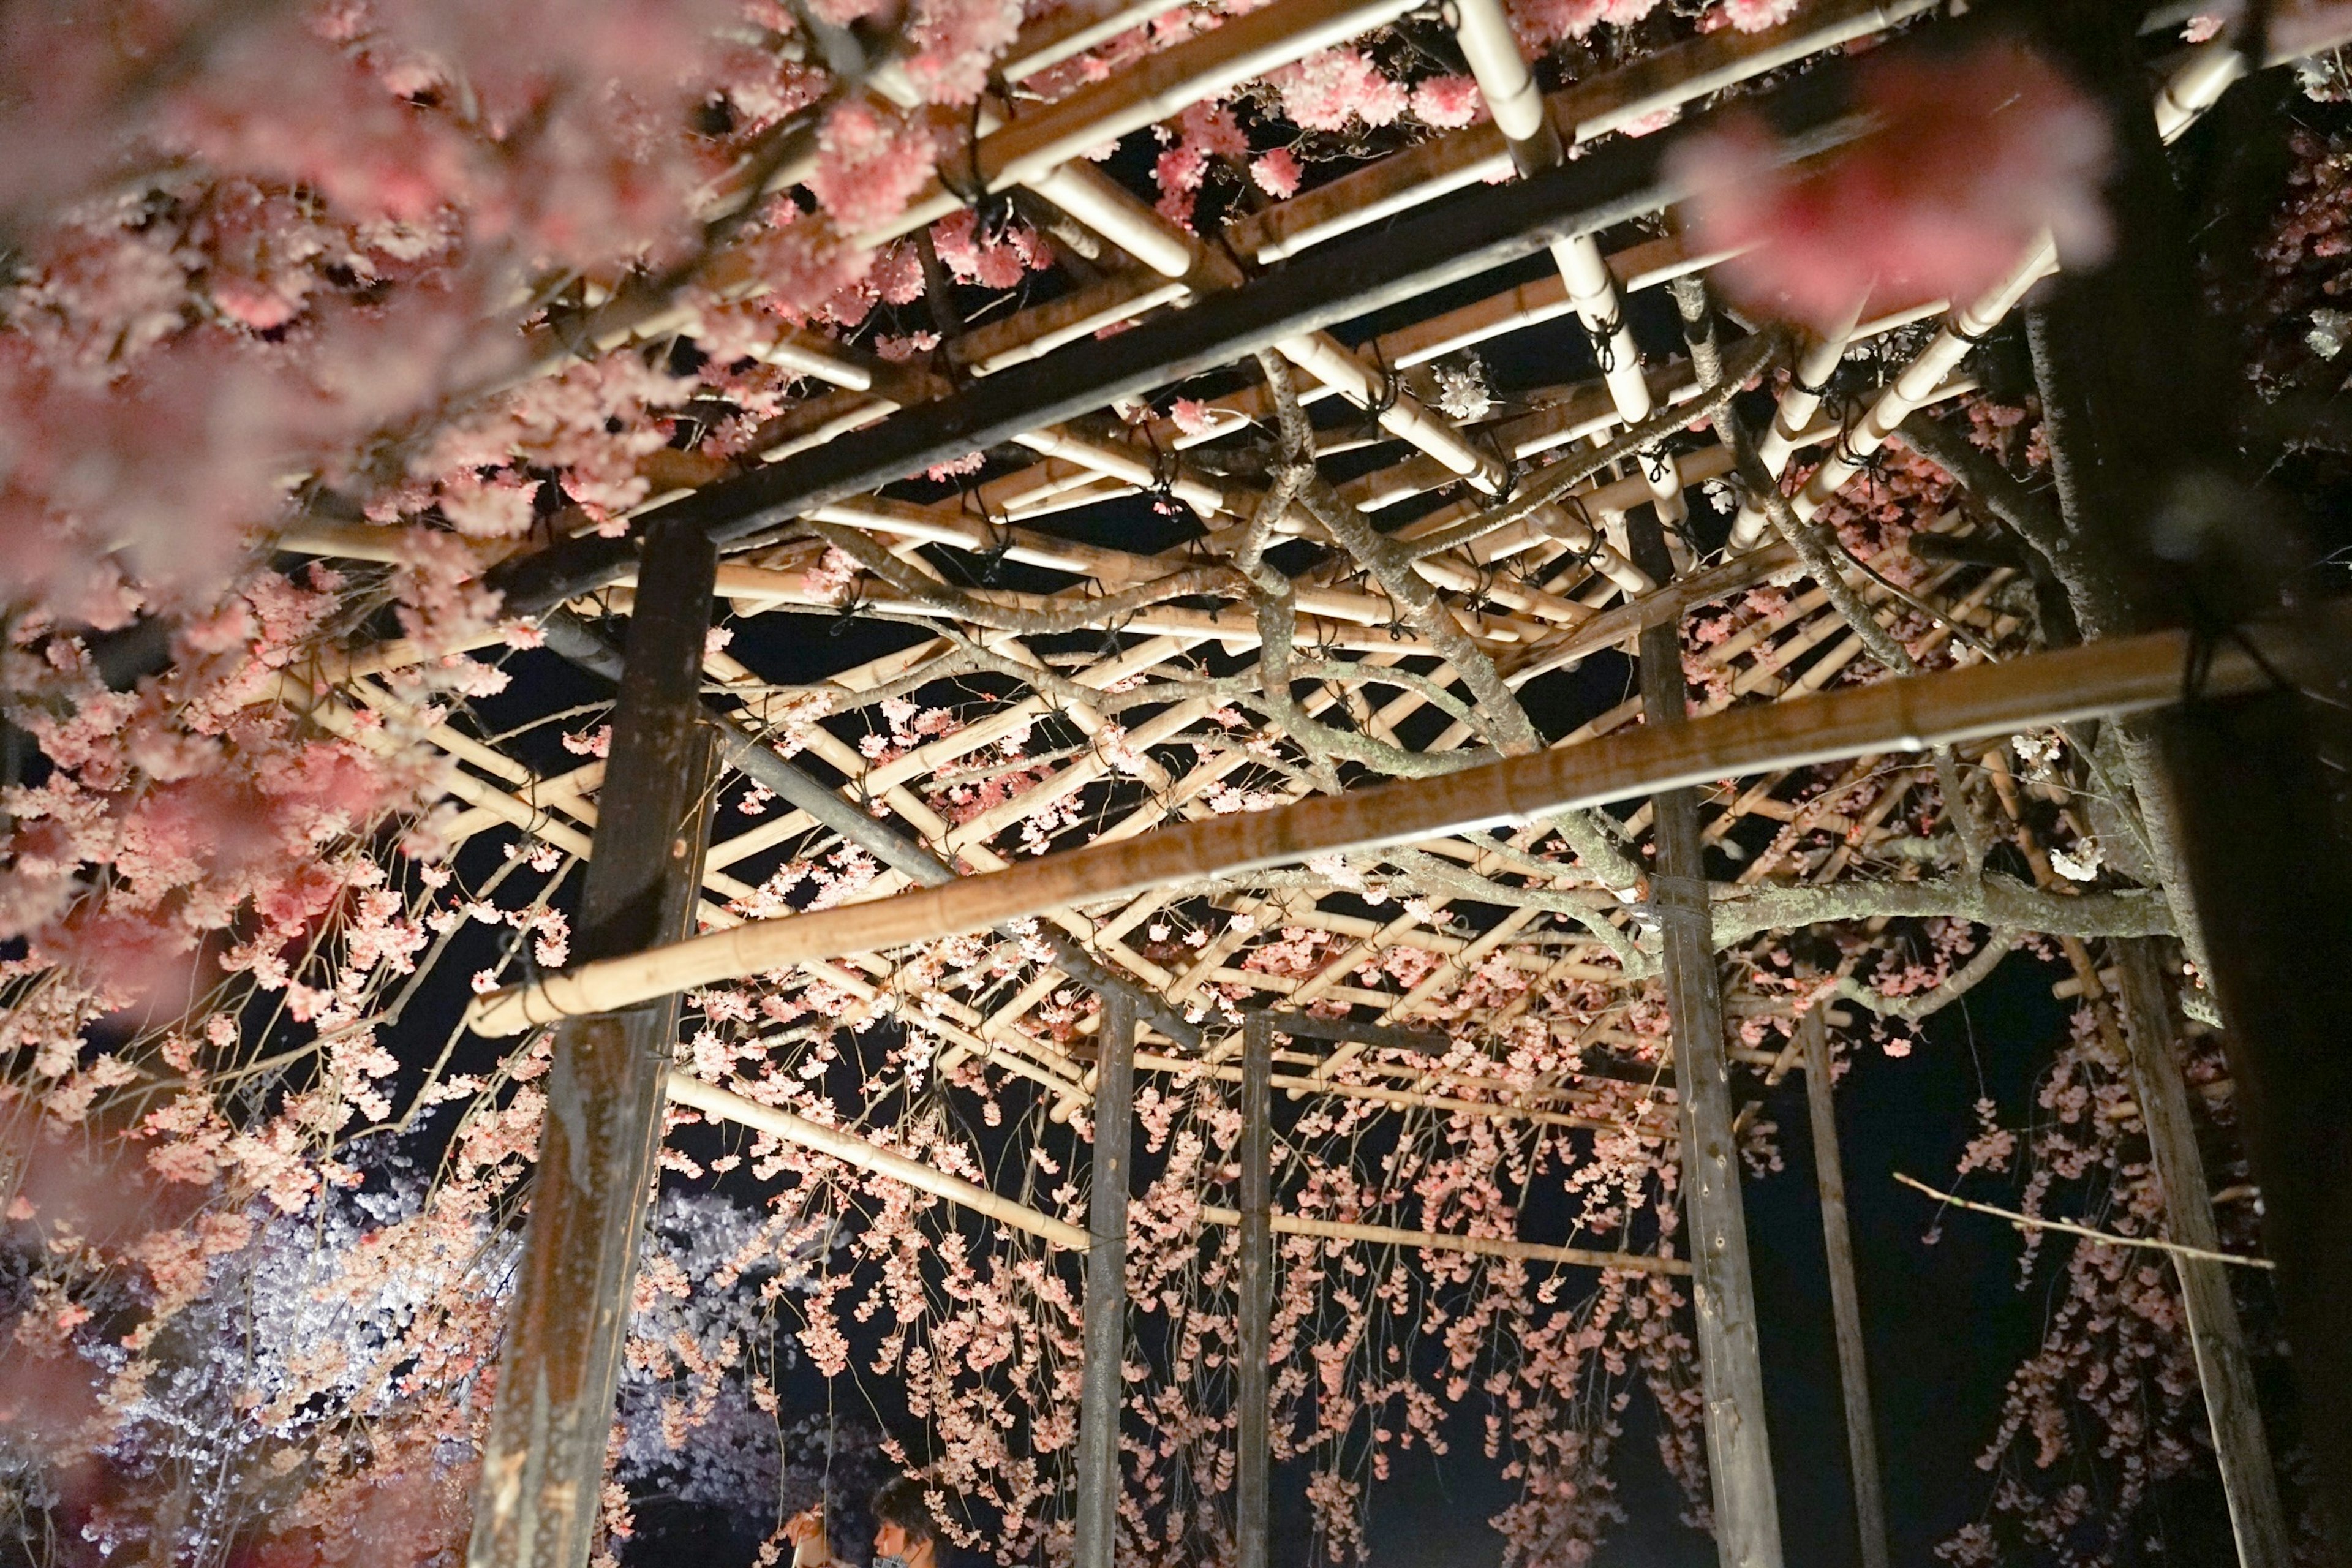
(903, 1525)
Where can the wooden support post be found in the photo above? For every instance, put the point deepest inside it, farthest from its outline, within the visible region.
(2240, 1443)
(1723, 1297)
(543, 1467)
(1252, 1394)
(2243, 813)
(1103, 1380)
(1845, 1301)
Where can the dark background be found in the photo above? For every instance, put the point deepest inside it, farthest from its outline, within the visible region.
(1945, 1323)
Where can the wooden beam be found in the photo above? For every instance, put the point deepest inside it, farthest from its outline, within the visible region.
(1102, 1381)
(2117, 676)
(1255, 1337)
(850, 1149)
(540, 1498)
(750, 754)
(1723, 1293)
(1845, 1301)
(2241, 1446)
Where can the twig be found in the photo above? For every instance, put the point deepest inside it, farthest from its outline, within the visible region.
(2026, 1222)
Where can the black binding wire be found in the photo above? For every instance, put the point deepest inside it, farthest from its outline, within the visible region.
(1000, 538)
(992, 212)
(849, 608)
(1798, 384)
(1872, 465)
(1974, 340)
(1111, 649)
(1603, 337)
(2207, 631)
(1164, 472)
(1391, 386)
(1513, 470)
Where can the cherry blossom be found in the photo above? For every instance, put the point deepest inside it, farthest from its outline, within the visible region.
(1970, 162)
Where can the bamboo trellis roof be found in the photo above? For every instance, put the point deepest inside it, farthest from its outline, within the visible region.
(1070, 662)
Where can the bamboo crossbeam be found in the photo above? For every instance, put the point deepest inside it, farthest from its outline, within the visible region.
(1680, 74)
(1157, 87)
(2117, 676)
(724, 1105)
(850, 1149)
(1440, 1241)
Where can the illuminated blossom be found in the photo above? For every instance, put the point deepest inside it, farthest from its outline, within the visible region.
(1448, 101)
(1336, 89)
(1970, 161)
(869, 165)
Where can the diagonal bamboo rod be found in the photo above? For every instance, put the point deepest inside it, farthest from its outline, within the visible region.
(867, 1155)
(2122, 675)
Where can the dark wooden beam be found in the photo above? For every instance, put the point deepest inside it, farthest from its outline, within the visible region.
(1253, 1342)
(2240, 1444)
(1723, 1293)
(1845, 1299)
(2248, 826)
(1102, 1382)
(1347, 1031)
(543, 1467)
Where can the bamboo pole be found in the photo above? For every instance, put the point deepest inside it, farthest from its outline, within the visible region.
(866, 1155)
(1675, 75)
(2103, 1237)
(2120, 675)
(1476, 1245)
(1845, 1300)
(1157, 87)
(2241, 1446)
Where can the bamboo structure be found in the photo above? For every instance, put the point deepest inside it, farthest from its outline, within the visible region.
(2106, 678)
(1206, 694)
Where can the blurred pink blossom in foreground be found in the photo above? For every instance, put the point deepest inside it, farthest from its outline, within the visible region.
(1969, 160)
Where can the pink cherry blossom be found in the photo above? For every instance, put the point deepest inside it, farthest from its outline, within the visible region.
(1971, 161)
(869, 165)
(1276, 174)
(1336, 89)
(1448, 101)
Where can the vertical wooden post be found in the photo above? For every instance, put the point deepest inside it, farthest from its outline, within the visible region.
(2243, 813)
(543, 1467)
(1102, 1379)
(2223, 1370)
(1723, 1296)
(1252, 1438)
(1845, 1301)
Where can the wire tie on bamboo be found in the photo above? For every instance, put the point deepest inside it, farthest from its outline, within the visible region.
(1384, 396)
(1603, 336)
